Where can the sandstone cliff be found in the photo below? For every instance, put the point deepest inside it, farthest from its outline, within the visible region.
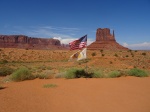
(22, 41)
(105, 40)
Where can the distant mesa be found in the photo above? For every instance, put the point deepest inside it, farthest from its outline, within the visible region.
(25, 42)
(105, 40)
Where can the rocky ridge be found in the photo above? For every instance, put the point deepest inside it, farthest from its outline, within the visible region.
(22, 41)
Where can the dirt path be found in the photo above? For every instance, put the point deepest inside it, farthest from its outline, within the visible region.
(126, 94)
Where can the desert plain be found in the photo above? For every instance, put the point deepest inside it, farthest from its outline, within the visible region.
(120, 94)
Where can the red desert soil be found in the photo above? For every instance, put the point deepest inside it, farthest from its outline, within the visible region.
(125, 94)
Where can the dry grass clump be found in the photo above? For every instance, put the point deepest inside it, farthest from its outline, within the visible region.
(22, 74)
(47, 74)
(49, 85)
(138, 72)
(4, 71)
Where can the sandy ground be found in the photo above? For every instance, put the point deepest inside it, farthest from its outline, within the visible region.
(125, 94)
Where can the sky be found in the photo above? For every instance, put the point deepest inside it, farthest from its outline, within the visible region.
(68, 20)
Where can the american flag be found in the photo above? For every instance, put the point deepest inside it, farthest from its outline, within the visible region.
(78, 44)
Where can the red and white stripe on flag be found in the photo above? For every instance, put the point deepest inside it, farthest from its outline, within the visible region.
(78, 44)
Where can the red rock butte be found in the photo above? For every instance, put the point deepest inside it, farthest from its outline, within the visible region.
(105, 40)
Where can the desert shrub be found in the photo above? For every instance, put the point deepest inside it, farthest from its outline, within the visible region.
(110, 62)
(43, 67)
(93, 54)
(127, 56)
(103, 54)
(83, 61)
(114, 74)
(137, 72)
(6, 71)
(97, 74)
(60, 75)
(123, 72)
(49, 68)
(143, 54)
(77, 73)
(22, 74)
(101, 50)
(116, 55)
(70, 74)
(129, 50)
(48, 74)
(1, 87)
(3, 61)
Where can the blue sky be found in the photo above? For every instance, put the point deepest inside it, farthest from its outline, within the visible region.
(70, 19)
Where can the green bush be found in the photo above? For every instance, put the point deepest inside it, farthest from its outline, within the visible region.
(138, 73)
(114, 74)
(97, 74)
(22, 74)
(4, 71)
(70, 74)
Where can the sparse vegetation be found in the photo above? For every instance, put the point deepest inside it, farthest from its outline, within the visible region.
(22, 74)
(144, 54)
(77, 73)
(127, 56)
(114, 74)
(101, 50)
(110, 62)
(50, 85)
(116, 55)
(93, 54)
(1, 87)
(103, 54)
(6, 71)
(45, 64)
(45, 76)
(60, 75)
(3, 61)
(138, 73)
(97, 74)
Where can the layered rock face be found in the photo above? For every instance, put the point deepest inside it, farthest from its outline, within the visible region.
(105, 40)
(22, 41)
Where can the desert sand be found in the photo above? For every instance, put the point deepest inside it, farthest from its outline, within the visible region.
(125, 94)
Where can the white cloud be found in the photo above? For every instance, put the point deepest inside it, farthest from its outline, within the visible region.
(67, 40)
(139, 46)
(49, 33)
